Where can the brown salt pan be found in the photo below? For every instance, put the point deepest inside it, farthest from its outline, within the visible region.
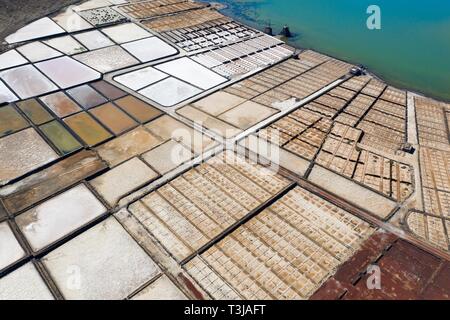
(113, 118)
(140, 110)
(47, 182)
(60, 104)
(89, 130)
(11, 121)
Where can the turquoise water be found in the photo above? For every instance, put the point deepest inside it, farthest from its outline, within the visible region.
(412, 50)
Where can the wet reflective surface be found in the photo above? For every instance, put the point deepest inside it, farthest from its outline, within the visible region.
(27, 81)
(66, 72)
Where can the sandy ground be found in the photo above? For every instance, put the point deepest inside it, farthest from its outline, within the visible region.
(14, 14)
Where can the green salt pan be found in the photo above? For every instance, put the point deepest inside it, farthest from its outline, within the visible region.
(60, 137)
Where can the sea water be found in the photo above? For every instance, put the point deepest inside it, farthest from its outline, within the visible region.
(411, 50)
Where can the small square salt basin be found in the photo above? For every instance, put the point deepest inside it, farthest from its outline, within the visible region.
(192, 72)
(112, 186)
(66, 72)
(170, 92)
(161, 289)
(11, 59)
(167, 156)
(23, 152)
(93, 40)
(60, 104)
(27, 81)
(141, 78)
(58, 217)
(10, 249)
(126, 32)
(110, 263)
(149, 49)
(66, 45)
(107, 59)
(24, 283)
(37, 51)
(38, 29)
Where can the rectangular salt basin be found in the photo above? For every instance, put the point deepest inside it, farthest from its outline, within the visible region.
(108, 90)
(11, 120)
(113, 265)
(100, 16)
(112, 186)
(113, 118)
(126, 32)
(35, 111)
(149, 49)
(162, 289)
(138, 109)
(89, 130)
(128, 146)
(27, 81)
(170, 92)
(24, 283)
(218, 103)
(38, 29)
(86, 96)
(10, 249)
(58, 217)
(207, 121)
(11, 59)
(23, 152)
(247, 114)
(107, 59)
(47, 182)
(61, 138)
(37, 51)
(94, 40)
(66, 72)
(6, 95)
(168, 128)
(141, 78)
(192, 72)
(66, 44)
(167, 156)
(71, 21)
(60, 104)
